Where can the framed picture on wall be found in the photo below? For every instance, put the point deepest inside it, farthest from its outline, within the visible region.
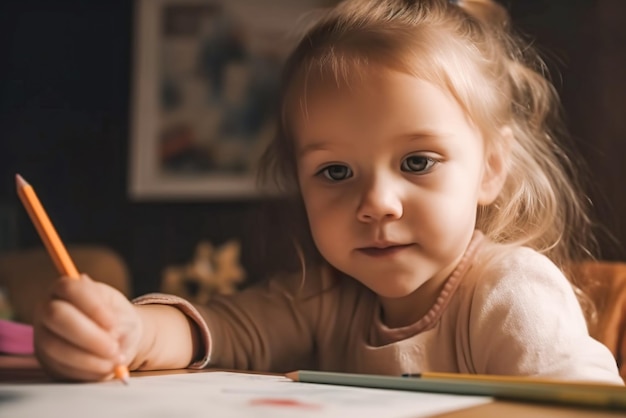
(206, 75)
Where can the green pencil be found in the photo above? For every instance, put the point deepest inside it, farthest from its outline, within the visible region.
(505, 387)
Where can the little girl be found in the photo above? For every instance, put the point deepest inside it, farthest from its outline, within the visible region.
(416, 137)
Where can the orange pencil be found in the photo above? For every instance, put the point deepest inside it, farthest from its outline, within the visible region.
(53, 243)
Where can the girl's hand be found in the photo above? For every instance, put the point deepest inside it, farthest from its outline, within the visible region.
(84, 329)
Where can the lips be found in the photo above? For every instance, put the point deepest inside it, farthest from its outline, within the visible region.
(384, 251)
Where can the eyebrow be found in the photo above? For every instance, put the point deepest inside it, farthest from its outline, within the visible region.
(315, 146)
(414, 136)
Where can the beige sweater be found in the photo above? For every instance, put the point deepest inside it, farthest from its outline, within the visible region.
(513, 313)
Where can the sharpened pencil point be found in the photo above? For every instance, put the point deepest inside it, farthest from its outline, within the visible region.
(19, 181)
(292, 375)
(121, 373)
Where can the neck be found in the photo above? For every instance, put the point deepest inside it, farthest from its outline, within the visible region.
(404, 311)
(407, 310)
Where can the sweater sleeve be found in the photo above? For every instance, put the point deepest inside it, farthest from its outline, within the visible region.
(526, 320)
(267, 327)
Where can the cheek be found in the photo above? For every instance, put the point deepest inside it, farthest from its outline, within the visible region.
(325, 221)
(321, 202)
(443, 211)
(325, 236)
(321, 219)
(313, 208)
(456, 207)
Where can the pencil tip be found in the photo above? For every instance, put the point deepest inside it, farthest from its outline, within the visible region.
(292, 375)
(19, 180)
(121, 372)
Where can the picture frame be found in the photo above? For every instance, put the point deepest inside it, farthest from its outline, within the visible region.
(205, 79)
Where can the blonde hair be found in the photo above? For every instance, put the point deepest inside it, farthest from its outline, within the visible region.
(468, 48)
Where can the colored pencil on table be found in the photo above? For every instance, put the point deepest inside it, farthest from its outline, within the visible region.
(54, 245)
(502, 387)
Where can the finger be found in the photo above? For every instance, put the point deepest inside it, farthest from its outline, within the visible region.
(69, 323)
(73, 374)
(86, 296)
(62, 359)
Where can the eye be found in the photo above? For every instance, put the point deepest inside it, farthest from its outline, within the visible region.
(336, 172)
(417, 164)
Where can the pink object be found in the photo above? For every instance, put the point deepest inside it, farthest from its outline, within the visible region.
(15, 338)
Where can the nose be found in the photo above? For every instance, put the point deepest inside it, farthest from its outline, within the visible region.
(380, 200)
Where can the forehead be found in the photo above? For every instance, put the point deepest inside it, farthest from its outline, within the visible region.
(383, 99)
(330, 72)
(379, 89)
(338, 76)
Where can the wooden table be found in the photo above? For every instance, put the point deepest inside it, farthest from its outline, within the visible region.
(16, 369)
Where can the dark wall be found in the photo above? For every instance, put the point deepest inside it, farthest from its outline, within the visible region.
(65, 71)
(584, 44)
(64, 122)
(64, 95)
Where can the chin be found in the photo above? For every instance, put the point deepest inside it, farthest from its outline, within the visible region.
(395, 295)
(395, 290)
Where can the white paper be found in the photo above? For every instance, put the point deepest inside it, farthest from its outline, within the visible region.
(220, 394)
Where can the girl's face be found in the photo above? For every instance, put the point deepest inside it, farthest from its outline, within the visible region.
(391, 173)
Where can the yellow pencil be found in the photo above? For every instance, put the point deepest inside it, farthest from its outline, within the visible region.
(503, 387)
(53, 244)
(492, 378)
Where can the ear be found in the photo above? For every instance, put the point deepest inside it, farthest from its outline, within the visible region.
(496, 167)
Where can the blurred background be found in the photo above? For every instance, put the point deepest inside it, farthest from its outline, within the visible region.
(66, 119)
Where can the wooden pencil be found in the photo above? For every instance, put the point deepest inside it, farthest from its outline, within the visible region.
(60, 257)
(501, 387)
(502, 379)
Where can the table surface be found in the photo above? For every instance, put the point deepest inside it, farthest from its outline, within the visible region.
(25, 369)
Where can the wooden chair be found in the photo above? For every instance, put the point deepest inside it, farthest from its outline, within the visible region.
(26, 275)
(605, 283)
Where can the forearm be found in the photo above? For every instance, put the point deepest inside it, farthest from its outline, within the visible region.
(169, 339)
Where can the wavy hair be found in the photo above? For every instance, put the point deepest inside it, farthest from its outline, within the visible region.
(469, 49)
